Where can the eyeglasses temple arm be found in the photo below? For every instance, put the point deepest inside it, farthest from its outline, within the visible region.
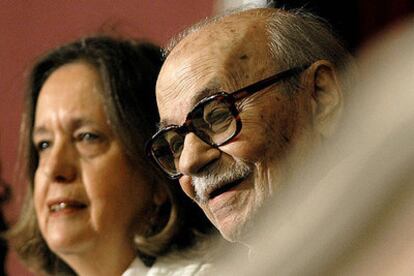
(253, 88)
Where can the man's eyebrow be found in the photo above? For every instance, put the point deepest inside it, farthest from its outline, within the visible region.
(203, 94)
(198, 96)
(162, 124)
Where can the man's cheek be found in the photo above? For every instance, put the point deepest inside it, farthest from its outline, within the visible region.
(249, 145)
(187, 186)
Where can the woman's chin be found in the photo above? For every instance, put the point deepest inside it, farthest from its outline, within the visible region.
(64, 242)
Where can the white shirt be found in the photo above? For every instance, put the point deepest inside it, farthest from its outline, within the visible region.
(137, 267)
(198, 260)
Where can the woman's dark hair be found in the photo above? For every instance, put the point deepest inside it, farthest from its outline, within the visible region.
(128, 70)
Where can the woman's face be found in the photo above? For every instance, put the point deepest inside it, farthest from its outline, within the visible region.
(87, 196)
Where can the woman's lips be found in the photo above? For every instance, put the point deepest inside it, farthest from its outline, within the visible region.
(64, 204)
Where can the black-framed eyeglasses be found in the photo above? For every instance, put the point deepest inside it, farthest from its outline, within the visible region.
(215, 120)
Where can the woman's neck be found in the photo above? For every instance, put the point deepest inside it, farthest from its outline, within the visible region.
(101, 261)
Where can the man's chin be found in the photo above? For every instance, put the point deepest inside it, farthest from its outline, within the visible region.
(234, 231)
(235, 224)
(231, 235)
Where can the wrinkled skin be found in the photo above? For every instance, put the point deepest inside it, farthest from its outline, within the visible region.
(278, 128)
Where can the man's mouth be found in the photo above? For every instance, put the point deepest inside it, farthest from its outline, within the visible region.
(63, 205)
(225, 188)
(221, 180)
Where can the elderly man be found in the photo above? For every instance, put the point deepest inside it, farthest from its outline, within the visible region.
(242, 100)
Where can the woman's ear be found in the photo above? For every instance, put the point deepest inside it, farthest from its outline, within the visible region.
(327, 97)
(160, 195)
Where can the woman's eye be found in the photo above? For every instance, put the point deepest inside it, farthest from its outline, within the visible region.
(91, 143)
(42, 145)
(88, 137)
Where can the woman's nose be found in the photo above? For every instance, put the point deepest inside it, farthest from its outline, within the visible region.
(196, 155)
(59, 164)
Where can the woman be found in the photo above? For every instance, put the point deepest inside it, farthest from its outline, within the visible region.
(94, 204)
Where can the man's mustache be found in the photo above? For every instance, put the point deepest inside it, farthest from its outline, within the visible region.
(218, 176)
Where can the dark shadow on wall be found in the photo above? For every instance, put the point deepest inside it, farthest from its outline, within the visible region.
(5, 194)
(355, 21)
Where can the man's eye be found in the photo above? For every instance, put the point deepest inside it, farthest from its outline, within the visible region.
(217, 116)
(160, 151)
(176, 146)
(219, 119)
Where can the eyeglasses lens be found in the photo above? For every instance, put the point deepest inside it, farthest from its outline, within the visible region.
(212, 122)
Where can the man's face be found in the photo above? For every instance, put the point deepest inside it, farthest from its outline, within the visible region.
(231, 183)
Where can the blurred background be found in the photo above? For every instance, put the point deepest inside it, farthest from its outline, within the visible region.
(29, 28)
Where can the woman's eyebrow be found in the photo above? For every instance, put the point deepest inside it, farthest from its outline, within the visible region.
(39, 130)
(74, 123)
(81, 121)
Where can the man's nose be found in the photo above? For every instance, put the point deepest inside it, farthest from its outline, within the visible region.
(60, 166)
(196, 155)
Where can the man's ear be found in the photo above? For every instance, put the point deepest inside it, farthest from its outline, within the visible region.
(327, 97)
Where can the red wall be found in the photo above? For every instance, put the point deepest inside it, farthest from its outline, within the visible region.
(29, 28)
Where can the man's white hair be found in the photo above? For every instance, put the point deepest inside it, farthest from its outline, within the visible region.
(295, 38)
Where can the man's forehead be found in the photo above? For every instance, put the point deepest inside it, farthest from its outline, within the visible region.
(233, 28)
(212, 59)
(175, 104)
